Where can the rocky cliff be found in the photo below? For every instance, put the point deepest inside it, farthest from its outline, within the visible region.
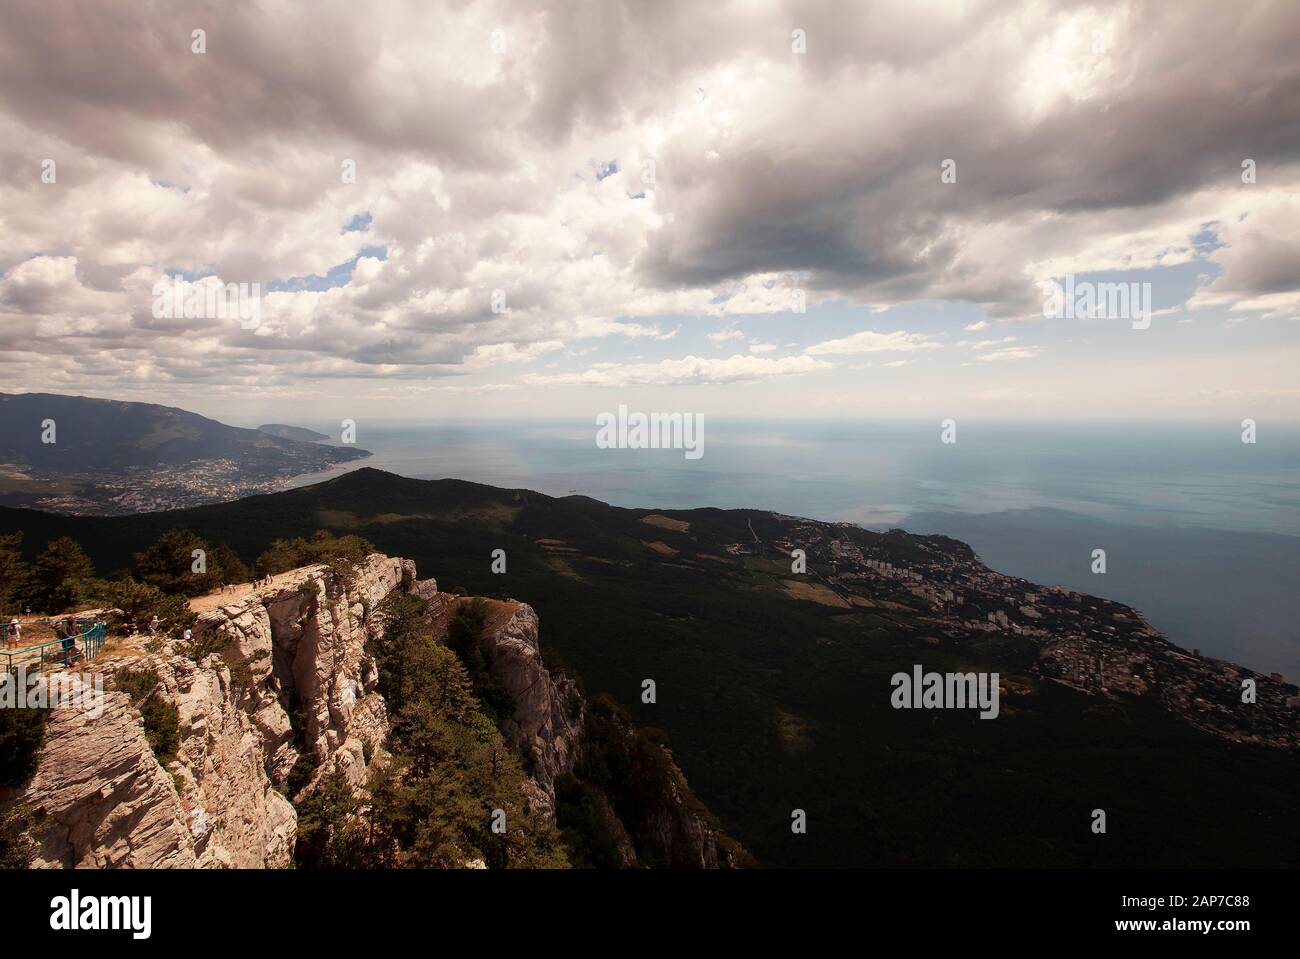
(655, 820)
(313, 684)
(275, 691)
(103, 798)
(267, 678)
(547, 722)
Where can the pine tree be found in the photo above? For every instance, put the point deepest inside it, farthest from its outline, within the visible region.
(59, 576)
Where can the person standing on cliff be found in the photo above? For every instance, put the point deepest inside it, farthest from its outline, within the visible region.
(69, 644)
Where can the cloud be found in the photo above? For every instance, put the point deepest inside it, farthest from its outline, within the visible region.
(986, 344)
(1014, 353)
(1259, 255)
(687, 371)
(614, 166)
(511, 352)
(869, 341)
(1062, 150)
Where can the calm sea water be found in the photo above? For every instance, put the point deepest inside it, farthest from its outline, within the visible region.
(880, 473)
(1166, 496)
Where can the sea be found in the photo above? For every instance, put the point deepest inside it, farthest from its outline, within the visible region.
(1201, 531)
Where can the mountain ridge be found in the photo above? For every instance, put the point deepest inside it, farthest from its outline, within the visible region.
(82, 455)
(286, 432)
(167, 434)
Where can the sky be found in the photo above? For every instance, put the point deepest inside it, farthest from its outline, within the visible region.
(532, 209)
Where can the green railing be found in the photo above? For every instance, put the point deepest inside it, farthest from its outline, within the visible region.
(80, 648)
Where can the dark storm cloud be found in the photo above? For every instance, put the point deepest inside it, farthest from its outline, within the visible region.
(852, 191)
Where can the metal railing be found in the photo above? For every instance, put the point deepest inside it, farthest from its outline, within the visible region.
(81, 647)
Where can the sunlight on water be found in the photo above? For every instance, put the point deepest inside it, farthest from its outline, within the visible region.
(1158, 475)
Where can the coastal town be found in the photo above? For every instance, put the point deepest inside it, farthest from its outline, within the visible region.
(153, 488)
(1095, 646)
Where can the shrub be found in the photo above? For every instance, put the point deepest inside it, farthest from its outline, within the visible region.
(305, 765)
(206, 643)
(304, 768)
(21, 734)
(340, 553)
(229, 567)
(161, 718)
(591, 834)
(431, 805)
(19, 833)
(169, 564)
(241, 671)
(140, 602)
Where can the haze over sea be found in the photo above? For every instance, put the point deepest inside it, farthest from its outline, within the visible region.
(1201, 531)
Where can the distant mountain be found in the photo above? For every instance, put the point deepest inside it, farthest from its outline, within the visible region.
(93, 435)
(774, 684)
(74, 454)
(299, 433)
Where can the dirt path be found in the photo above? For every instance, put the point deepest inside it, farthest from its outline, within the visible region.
(240, 592)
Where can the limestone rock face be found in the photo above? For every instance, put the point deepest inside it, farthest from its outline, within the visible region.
(305, 638)
(298, 645)
(103, 798)
(426, 589)
(548, 712)
(235, 816)
(678, 836)
(247, 629)
(282, 671)
(213, 806)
